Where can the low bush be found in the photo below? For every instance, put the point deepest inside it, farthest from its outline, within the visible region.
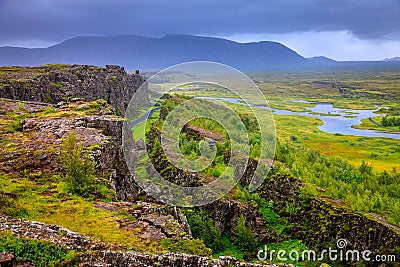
(39, 252)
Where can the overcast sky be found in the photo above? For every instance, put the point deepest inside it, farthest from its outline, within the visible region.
(340, 29)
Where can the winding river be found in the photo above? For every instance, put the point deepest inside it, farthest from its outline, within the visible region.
(339, 123)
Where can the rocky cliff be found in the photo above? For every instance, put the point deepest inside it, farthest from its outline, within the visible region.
(55, 83)
(320, 222)
(35, 141)
(95, 253)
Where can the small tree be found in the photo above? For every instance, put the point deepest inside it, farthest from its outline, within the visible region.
(365, 168)
(80, 168)
(245, 239)
(203, 227)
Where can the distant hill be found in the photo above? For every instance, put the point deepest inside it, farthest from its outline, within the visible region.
(151, 53)
(138, 52)
(392, 59)
(322, 60)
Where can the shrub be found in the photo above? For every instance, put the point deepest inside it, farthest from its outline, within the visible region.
(46, 98)
(245, 239)
(202, 226)
(39, 252)
(118, 111)
(365, 168)
(80, 168)
(267, 210)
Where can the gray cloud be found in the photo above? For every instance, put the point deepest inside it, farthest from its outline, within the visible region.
(56, 20)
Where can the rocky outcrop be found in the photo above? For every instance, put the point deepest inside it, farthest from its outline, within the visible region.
(55, 83)
(96, 253)
(7, 259)
(61, 84)
(132, 259)
(51, 233)
(197, 133)
(37, 144)
(154, 221)
(320, 222)
(111, 156)
(338, 222)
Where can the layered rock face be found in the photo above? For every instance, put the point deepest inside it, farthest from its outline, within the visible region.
(53, 87)
(320, 222)
(36, 142)
(55, 83)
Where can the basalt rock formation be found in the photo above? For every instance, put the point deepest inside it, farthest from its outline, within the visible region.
(37, 144)
(56, 83)
(320, 222)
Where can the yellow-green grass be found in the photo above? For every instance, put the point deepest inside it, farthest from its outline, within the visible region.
(382, 153)
(44, 197)
(291, 106)
(46, 200)
(369, 125)
(139, 129)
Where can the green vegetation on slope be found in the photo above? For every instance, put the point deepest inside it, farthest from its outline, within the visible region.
(39, 252)
(360, 188)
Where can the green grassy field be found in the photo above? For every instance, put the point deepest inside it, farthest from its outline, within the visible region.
(364, 90)
(369, 125)
(381, 153)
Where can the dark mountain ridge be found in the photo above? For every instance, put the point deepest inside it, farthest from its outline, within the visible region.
(134, 52)
(153, 53)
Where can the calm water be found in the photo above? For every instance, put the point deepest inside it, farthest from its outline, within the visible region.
(332, 124)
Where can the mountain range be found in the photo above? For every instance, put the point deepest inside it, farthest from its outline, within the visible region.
(139, 52)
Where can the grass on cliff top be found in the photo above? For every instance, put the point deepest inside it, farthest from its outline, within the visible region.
(19, 110)
(44, 198)
(27, 73)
